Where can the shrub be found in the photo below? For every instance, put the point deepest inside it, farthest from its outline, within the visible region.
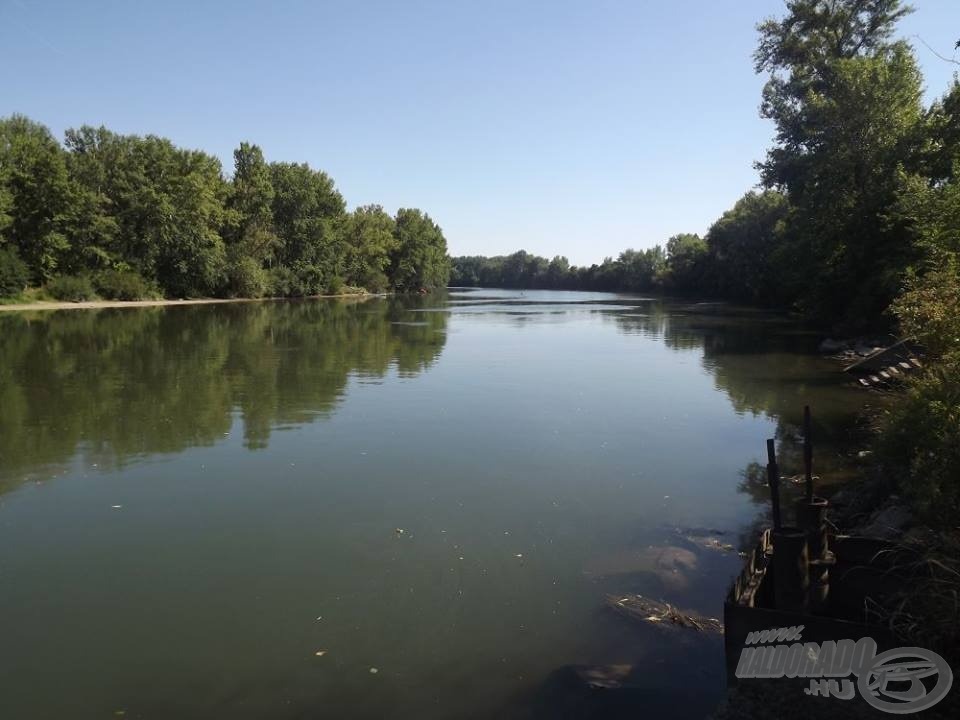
(123, 285)
(71, 288)
(335, 286)
(13, 273)
(375, 281)
(281, 282)
(920, 434)
(920, 442)
(299, 280)
(247, 278)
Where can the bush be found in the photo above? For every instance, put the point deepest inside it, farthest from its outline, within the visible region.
(13, 273)
(281, 282)
(920, 442)
(375, 281)
(300, 280)
(123, 285)
(335, 286)
(71, 288)
(247, 278)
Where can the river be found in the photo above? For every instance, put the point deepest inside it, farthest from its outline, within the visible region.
(406, 507)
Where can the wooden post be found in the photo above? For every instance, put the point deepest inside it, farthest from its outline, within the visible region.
(808, 452)
(791, 569)
(773, 480)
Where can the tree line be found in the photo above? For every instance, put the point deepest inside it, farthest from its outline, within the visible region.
(856, 224)
(858, 197)
(126, 216)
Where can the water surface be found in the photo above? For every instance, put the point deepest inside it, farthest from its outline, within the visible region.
(435, 494)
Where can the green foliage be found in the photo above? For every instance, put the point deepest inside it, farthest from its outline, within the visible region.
(14, 275)
(686, 263)
(920, 442)
(71, 288)
(306, 211)
(370, 240)
(247, 278)
(846, 104)
(749, 257)
(122, 285)
(37, 194)
(419, 259)
(105, 201)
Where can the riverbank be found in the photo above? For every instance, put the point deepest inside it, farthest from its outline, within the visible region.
(98, 304)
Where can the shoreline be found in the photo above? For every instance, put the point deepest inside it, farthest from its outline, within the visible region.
(99, 304)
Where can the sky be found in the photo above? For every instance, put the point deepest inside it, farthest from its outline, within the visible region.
(562, 128)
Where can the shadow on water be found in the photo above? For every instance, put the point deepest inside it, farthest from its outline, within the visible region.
(113, 385)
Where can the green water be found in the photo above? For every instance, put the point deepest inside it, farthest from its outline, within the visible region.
(195, 501)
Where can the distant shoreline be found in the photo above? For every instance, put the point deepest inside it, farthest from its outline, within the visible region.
(98, 304)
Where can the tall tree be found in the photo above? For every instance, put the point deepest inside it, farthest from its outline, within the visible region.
(686, 263)
(38, 194)
(306, 210)
(369, 239)
(750, 260)
(846, 103)
(420, 259)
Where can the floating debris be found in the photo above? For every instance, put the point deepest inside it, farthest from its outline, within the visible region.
(705, 538)
(519, 555)
(710, 543)
(661, 613)
(374, 671)
(116, 507)
(321, 653)
(399, 531)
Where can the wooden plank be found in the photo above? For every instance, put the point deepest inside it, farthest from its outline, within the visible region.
(875, 380)
(916, 363)
(906, 366)
(864, 382)
(885, 375)
(883, 357)
(893, 370)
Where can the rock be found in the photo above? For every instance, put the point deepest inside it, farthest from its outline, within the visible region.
(887, 523)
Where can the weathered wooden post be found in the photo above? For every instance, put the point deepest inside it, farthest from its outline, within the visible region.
(791, 569)
(811, 515)
(773, 480)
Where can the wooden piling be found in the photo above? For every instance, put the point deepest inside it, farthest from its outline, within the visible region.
(773, 480)
(791, 569)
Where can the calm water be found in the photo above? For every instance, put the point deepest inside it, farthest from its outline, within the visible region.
(195, 501)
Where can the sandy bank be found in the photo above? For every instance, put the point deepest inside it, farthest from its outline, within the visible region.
(96, 304)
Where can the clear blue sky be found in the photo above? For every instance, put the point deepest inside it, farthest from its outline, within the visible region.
(574, 128)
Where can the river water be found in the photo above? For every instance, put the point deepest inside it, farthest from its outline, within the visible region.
(408, 507)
